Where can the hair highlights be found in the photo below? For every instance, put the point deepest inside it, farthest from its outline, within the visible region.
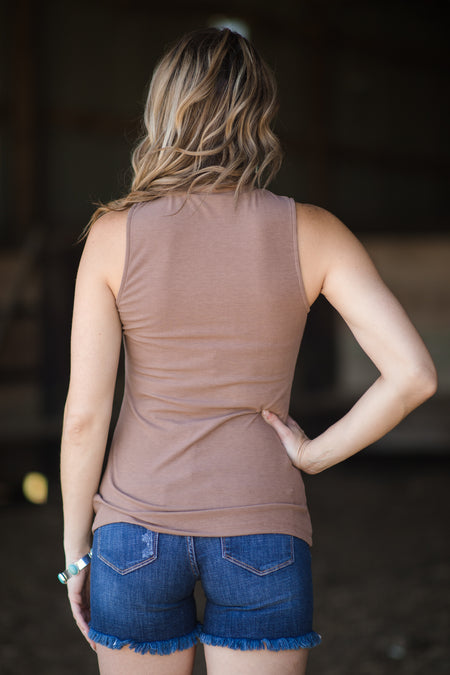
(208, 117)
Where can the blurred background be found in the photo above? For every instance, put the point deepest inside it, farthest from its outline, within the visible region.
(363, 121)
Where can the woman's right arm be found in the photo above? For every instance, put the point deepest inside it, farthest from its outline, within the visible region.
(95, 349)
(336, 264)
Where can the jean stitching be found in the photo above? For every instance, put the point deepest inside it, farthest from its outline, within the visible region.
(191, 555)
(131, 568)
(254, 570)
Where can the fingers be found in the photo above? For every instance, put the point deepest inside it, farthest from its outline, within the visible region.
(78, 615)
(290, 434)
(282, 429)
(78, 591)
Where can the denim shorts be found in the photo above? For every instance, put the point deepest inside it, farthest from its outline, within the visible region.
(258, 591)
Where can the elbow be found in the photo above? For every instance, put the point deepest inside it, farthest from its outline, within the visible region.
(427, 380)
(430, 383)
(83, 422)
(311, 464)
(77, 424)
(312, 470)
(422, 384)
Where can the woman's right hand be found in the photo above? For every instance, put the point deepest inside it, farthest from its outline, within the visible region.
(292, 437)
(78, 590)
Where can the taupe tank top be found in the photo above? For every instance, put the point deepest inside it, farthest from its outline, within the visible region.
(213, 310)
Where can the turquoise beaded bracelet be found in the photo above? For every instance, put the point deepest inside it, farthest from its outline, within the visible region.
(75, 568)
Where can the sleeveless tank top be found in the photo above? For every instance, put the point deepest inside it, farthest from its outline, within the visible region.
(213, 310)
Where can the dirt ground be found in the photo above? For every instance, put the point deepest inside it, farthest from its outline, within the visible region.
(381, 572)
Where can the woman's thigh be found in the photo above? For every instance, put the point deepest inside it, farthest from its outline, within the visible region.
(223, 661)
(127, 662)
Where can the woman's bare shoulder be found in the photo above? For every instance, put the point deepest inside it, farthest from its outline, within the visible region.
(105, 247)
(332, 256)
(108, 227)
(321, 235)
(325, 237)
(315, 221)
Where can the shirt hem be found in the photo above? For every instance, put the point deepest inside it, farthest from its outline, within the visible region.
(275, 519)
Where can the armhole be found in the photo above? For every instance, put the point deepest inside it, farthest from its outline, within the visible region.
(296, 253)
(127, 254)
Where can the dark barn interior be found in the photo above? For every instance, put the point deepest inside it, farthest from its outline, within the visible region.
(363, 121)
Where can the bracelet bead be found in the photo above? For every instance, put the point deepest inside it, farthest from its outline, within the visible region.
(75, 568)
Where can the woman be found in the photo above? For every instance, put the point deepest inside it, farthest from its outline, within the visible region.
(208, 279)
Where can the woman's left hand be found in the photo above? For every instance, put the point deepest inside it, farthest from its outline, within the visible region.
(78, 589)
(291, 435)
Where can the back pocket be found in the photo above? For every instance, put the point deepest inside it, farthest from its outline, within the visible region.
(259, 553)
(125, 547)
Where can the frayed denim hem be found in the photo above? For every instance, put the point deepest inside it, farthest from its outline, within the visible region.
(160, 647)
(306, 641)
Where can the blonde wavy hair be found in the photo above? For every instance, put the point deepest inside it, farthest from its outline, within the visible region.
(208, 115)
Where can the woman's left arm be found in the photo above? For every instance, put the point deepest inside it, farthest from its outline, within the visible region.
(346, 276)
(95, 350)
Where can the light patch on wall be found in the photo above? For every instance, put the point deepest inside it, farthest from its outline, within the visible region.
(35, 487)
(233, 23)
